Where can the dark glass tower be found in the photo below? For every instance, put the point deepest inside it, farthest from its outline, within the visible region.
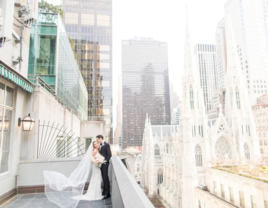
(89, 25)
(145, 86)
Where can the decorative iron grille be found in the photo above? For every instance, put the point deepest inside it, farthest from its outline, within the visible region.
(55, 141)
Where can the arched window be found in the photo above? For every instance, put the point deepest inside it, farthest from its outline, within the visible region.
(237, 98)
(160, 176)
(156, 150)
(246, 150)
(167, 148)
(198, 156)
(223, 149)
(191, 97)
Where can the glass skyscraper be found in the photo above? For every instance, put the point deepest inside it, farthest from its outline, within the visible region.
(51, 58)
(89, 25)
(145, 87)
(205, 55)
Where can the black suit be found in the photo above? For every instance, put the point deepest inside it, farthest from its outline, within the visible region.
(105, 151)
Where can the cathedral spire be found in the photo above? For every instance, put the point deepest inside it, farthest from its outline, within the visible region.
(188, 68)
(233, 64)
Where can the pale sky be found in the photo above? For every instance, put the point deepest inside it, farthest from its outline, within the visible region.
(163, 20)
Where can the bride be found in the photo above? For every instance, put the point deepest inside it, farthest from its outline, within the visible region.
(94, 189)
(66, 192)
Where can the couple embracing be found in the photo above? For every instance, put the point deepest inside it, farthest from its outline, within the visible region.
(66, 192)
(100, 163)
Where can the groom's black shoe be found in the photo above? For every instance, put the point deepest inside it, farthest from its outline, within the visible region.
(106, 196)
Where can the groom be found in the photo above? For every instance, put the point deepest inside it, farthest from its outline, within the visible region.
(105, 151)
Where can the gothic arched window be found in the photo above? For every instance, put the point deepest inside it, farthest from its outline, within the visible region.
(191, 97)
(160, 176)
(156, 150)
(198, 156)
(246, 150)
(167, 148)
(237, 98)
(223, 149)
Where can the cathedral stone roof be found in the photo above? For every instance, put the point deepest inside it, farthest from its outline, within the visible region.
(260, 104)
(164, 130)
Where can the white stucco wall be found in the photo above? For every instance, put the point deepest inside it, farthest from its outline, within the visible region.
(250, 187)
(21, 108)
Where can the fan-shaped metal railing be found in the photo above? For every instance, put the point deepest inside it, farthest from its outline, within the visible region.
(55, 141)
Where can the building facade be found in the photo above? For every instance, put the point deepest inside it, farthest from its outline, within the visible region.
(221, 61)
(145, 87)
(205, 55)
(51, 58)
(89, 25)
(260, 112)
(249, 19)
(118, 128)
(182, 155)
(175, 116)
(174, 98)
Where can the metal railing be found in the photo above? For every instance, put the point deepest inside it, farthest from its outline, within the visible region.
(55, 141)
(38, 81)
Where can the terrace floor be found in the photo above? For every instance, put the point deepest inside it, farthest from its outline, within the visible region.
(41, 201)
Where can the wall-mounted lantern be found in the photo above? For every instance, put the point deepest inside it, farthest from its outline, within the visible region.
(27, 123)
(5, 124)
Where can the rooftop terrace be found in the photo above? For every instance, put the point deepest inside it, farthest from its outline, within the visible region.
(41, 201)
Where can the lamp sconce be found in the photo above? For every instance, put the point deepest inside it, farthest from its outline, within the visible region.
(27, 123)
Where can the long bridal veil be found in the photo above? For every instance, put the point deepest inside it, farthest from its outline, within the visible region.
(67, 191)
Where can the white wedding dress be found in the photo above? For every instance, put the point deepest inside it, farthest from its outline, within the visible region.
(94, 189)
(67, 191)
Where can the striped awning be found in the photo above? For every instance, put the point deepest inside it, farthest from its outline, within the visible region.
(15, 77)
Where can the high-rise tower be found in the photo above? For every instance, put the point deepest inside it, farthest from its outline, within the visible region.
(145, 87)
(249, 18)
(205, 55)
(89, 26)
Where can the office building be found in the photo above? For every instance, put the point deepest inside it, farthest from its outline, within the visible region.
(205, 55)
(145, 87)
(175, 116)
(51, 58)
(221, 62)
(89, 25)
(174, 98)
(249, 18)
(118, 128)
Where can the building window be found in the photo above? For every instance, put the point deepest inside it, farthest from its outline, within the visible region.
(193, 131)
(261, 150)
(222, 191)
(198, 156)
(191, 98)
(253, 202)
(265, 143)
(199, 204)
(167, 148)
(160, 176)
(231, 194)
(260, 142)
(60, 148)
(242, 199)
(246, 150)
(87, 143)
(156, 150)
(6, 111)
(237, 98)
(265, 204)
(215, 187)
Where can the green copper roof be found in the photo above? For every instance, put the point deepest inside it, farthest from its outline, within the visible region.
(16, 78)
